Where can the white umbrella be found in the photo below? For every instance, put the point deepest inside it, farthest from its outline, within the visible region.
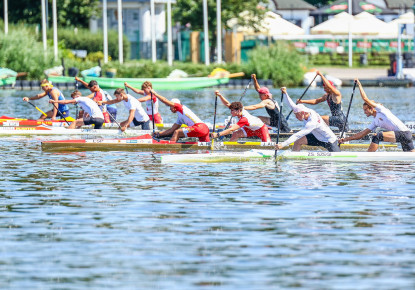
(272, 25)
(367, 24)
(339, 24)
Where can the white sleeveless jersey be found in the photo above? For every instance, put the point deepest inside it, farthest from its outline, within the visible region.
(90, 107)
(133, 104)
(386, 120)
(248, 121)
(155, 105)
(185, 116)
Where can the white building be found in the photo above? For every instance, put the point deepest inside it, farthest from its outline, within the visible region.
(295, 11)
(136, 23)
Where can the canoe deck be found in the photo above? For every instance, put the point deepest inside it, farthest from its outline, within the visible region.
(146, 142)
(261, 155)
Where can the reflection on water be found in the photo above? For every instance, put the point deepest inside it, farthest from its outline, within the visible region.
(124, 220)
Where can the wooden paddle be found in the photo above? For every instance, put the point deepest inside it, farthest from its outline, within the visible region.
(348, 110)
(212, 146)
(279, 124)
(302, 96)
(44, 114)
(240, 100)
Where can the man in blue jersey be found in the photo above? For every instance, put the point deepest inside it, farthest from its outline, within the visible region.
(53, 94)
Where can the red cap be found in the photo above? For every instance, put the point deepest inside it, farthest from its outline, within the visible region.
(331, 83)
(265, 91)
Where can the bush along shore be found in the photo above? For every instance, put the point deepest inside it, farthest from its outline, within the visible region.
(22, 51)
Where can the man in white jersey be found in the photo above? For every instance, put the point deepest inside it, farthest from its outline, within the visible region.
(94, 117)
(247, 126)
(195, 127)
(98, 94)
(146, 88)
(137, 116)
(383, 118)
(315, 132)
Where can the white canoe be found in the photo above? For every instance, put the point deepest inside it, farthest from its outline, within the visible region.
(257, 155)
(50, 130)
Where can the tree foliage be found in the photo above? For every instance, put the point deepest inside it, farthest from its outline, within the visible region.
(191, 12)
(70, 12)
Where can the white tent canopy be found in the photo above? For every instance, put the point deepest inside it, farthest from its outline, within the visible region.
(272, 25)
(362, 24)
(337, 25)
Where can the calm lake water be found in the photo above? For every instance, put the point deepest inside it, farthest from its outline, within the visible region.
(122, 220)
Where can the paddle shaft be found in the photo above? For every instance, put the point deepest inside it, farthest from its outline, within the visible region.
(43, 113)
(279, 125)
(60, 113)
(348, 110)
(302, 96)
(112, 117)
(214, 122)
(76, 104)
(230, 120)
(152, 112)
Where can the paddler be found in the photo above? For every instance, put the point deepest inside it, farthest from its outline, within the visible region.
(270, 105)
(333, 97)
(136, 117)
(397, 131)
(315, 131)
(94, 114)
(146, 88)
(195, 127)
(53, 94)
(99, 94)
(247, 125)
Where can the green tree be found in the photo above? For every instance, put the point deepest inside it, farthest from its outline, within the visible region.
(190, 12)
(70, 12)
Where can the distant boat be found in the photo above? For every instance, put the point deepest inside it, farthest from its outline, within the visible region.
(7, 77)
(175, 83)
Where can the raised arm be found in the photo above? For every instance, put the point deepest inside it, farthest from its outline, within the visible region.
(364, 96)
(256, 85)
(327, 84)
(85, 84)
(137, 91)
(162, 99)
(223, 99)
(287, 99)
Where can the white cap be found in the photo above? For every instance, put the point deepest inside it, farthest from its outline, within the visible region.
(177, 101)
(300, 108)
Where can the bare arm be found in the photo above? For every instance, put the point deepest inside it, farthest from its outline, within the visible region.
(223, 99)
(327, 84)
(364, 96)
(127, 122)
(38, 96)
(162, 99)
(64, 102)
(143, 99)
(257, 106)
(137, 91)
(256, 85)
(357, 136)
(170, 131)
(108, 102)
(228, 131)
(313, 101)
(85, 84)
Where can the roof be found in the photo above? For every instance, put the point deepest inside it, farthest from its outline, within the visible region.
(292, 5)
(358, 6)
(399, 4)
